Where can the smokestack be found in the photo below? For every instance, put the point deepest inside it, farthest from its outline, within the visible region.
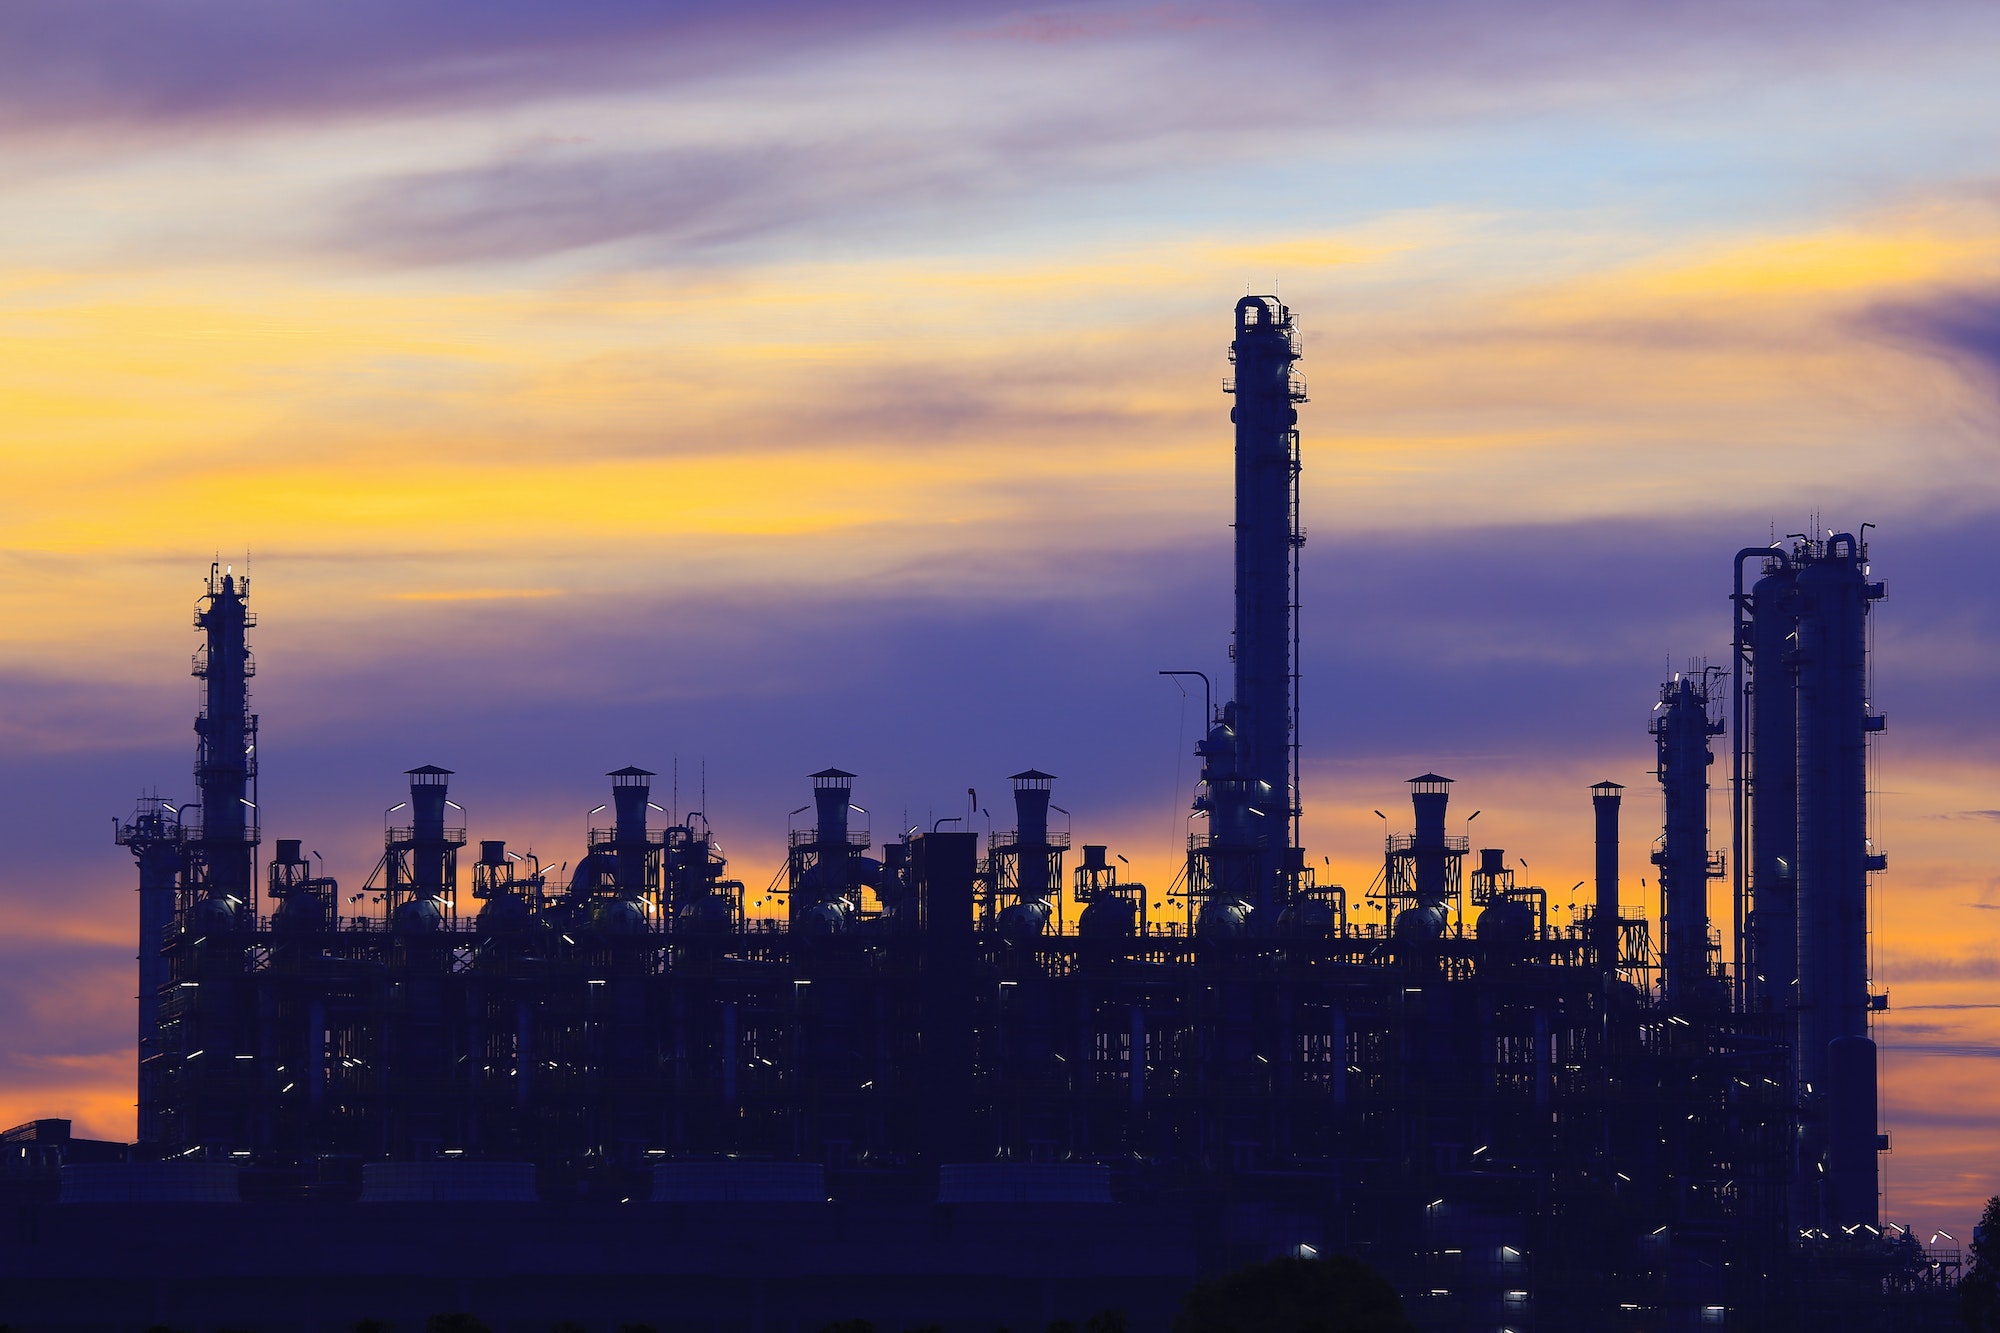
(1604, 799)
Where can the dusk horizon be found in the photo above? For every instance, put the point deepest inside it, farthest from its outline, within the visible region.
(741, 392)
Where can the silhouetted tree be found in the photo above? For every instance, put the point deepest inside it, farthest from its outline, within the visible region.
(1290, 1295)
(849, 1326)
(1979, 1289)
(378, 1326)
(1106, 1321)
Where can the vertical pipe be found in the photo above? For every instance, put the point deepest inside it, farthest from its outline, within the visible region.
(1772, 819)
(1747, 644)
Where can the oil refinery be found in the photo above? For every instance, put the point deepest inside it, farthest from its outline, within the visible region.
(987, 1081)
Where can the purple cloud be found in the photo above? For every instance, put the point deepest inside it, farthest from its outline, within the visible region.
(1963, 327)
(116, 60)
(149, 61)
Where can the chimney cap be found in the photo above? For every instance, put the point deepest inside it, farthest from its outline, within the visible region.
(1607, 786)
(1032, 775)
(631, 771)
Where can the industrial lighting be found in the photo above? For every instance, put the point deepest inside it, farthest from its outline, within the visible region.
(661, 808)
(247, 801)
(455, 805)
(595, 809)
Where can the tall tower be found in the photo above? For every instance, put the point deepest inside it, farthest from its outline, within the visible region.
(1682, 727)
(1767, 780)
(1263, 714)
(1835, 1054)
(225, 768)
(155, 838)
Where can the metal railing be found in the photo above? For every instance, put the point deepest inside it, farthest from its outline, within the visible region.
(1404, 844)
(453, 837)
(1011, 838)
(805, 837)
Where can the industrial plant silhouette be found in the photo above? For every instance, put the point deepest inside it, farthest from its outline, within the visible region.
(933, 1092)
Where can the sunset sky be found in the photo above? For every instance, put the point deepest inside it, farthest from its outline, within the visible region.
(751, 388)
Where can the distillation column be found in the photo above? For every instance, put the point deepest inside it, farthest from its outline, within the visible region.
(154, 836)
(1267, 543)
(1835, 1054)
(225, 769)
(1682, 727)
